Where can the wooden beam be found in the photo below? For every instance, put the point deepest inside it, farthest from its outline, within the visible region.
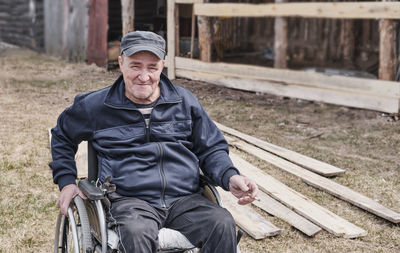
(298, 202)
(302, 160)
(303, 78)
(276, 209)
(171, 38)
(176, 21)
(128, 9)
(322, 183)
(349, 91)
(204, 36)
(192, 34)
(356, 10)
(280, 41)
(188, 1)
(387, 55)
(247, 218)
(97, 37)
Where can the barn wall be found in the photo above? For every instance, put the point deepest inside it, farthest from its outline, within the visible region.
(66, 28)
(21, 23)
(340, 43)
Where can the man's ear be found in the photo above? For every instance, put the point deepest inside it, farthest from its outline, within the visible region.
(120, 61)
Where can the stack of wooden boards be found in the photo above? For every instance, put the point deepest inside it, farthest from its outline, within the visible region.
(285, 203)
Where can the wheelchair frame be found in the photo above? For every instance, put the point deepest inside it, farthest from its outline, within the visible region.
(85, 228)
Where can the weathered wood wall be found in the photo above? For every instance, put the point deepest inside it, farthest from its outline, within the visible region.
(21, 23)
(317, 42)
(66, 28)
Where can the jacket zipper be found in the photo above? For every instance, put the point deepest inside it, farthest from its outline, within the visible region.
(162, 174)
(164, 181)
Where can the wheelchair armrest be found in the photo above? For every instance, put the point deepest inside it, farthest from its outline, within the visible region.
(204, 180)
(210, 190)
(90, 190)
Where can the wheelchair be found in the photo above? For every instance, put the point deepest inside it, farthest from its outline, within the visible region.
(85, 229)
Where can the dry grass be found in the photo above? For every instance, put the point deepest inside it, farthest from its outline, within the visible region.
(34, 89)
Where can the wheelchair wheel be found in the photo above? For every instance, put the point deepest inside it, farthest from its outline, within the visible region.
(73, 232)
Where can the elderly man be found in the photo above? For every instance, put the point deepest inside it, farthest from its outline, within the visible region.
(151, 137)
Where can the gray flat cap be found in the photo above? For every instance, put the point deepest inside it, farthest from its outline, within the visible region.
(137, 41)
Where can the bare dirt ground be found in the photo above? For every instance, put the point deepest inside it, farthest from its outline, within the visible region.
(35, 88)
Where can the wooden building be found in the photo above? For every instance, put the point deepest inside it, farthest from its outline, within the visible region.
(89, 30)
(21, 23)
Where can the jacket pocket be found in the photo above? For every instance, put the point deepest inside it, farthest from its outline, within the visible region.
(179, 128)
(121, 136)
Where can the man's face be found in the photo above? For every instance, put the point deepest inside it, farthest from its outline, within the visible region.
(141, 72)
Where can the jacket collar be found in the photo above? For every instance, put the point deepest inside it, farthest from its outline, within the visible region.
(116, 95)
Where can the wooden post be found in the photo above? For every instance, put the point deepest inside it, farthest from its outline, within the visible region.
(387, 56)
(171, 38)
(176, 17)
(192, 33)
(281, 42)
(347, 41)
(128, 10)
(204, 38)
(97, 38)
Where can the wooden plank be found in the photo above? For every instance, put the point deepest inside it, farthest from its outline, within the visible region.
(276, 209)
(77, 30)
(247, 218)
(309, 163)
(53, 22)
(322, 183)
(256, 73)
(309, 88)
(356, 10)
(97, 38)
(298, 202)
(171, 38)
(188, 1)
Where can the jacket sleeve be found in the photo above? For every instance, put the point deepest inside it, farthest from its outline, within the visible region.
(211, 148)
(73, 126)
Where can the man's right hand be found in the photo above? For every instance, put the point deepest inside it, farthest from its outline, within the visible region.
(66, 195)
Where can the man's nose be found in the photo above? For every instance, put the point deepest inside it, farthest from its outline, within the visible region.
(144, 76)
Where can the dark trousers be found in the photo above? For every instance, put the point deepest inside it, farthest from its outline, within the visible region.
(205, 224)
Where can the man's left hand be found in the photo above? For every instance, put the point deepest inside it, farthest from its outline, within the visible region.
(243, 188)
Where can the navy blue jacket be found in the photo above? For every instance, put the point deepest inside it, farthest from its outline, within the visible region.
(158, 164)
